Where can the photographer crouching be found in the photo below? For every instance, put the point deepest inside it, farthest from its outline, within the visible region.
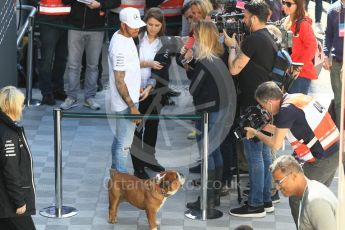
(251, 63)
(308, 127)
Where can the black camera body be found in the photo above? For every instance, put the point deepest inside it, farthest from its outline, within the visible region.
(254, 117)
(230, 20)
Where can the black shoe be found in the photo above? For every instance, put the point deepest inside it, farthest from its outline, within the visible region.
(48, 100)
(155, 167)
(268, 206)
(225, 190)
(196, 205)
(275, 198)
(99, 85)
(60, 95)
(248, 211)
(141, 174)
(195, 169)
(172, 93)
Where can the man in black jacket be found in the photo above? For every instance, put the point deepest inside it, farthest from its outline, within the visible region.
(17, 189)
(88, 17)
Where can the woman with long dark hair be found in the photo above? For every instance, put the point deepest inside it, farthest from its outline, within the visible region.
(303, 43)
(144, 142)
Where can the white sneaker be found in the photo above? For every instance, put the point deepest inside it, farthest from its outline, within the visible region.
(92, 104)
(318, 28)
(69, 103)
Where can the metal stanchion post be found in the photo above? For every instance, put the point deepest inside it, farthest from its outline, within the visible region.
(29, 101)
(204, 213)
(58, 211)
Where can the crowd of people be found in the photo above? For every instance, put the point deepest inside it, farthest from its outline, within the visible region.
(228, 73)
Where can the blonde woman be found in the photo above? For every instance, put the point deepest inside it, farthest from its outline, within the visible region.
(207, 85)
(17, 189)
(200, 9)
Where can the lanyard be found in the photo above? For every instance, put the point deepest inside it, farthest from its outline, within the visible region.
(301, 206)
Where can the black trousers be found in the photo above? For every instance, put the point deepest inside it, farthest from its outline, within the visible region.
(145, 137)
(17, 223)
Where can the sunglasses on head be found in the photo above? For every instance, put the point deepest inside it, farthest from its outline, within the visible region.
(288, 4)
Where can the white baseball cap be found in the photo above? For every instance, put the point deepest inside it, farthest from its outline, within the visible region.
(131, 16)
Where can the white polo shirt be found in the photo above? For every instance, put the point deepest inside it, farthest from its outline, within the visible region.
(123, 56)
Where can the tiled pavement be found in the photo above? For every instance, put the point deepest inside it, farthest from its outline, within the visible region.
(86, 160)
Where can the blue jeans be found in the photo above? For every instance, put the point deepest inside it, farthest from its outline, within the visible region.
(215, 127)
(54, 58)
(91, 42)
(124, 132)
(300, 85)
(259, 160)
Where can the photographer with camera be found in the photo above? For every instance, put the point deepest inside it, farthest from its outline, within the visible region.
(251, 63)
(308, 127)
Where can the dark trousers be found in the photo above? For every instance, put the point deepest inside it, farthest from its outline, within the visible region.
(54, 57)
(145, 137)
(17, 223)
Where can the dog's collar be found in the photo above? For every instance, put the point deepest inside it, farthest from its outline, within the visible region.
(161, 191)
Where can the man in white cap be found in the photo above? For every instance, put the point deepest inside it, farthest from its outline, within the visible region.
(124, 84)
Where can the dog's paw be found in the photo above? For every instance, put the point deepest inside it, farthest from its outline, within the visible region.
(158, 222)
(112, 221)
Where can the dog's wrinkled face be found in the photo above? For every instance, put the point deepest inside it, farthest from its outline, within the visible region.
(170, 181)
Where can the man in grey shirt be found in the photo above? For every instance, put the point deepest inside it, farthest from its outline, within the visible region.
(318, 204)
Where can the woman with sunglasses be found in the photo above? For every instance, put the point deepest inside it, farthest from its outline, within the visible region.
(17, 189)
(303, 43)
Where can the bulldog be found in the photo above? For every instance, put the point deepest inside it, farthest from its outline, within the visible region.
(148, 195)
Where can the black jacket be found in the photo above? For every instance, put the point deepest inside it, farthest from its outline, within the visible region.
(16, 177)
(211, 86)
(83, 17)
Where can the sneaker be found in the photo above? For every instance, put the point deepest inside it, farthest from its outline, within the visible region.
(92, 104)
(248, 211)
(191, 135)
(319, 29)
(69, 103)
(275, 198)
(268, 206)
(48, 100)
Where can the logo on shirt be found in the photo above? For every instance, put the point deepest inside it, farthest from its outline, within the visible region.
(9, 149)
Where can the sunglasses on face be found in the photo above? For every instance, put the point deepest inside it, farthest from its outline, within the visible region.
(288, 4)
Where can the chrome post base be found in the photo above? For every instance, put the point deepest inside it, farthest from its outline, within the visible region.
(33, 103)
(53, 212)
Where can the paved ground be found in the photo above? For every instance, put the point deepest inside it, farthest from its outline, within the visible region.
(86, 160)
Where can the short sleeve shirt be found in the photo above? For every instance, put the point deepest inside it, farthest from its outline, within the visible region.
(123, 56)
(292, 118)
(259, 47)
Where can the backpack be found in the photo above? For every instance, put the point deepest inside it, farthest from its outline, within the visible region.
(282, 62)
(279, 73)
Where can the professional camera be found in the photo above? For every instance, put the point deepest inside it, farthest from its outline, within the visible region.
(230, 19)
(255, 117)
